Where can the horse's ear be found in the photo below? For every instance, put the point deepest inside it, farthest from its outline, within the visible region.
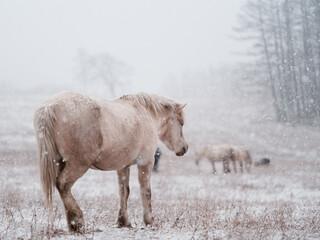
(182, 106)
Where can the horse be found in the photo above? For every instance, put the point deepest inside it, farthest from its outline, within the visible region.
(216, 153)
(76, 132)
(243, 157)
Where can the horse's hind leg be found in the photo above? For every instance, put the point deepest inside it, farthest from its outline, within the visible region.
(226, 165)
(241, 166)
(234, 165)
(144, 180)
(124, 191)
(65, 181)
(214, 171)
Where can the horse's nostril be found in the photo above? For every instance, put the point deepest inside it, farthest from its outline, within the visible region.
(184, 150)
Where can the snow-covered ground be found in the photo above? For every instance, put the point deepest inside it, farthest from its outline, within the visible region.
(281, 201)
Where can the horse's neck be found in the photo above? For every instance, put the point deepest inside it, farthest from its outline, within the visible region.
(160, 119)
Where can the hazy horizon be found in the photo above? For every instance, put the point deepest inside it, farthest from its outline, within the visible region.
(40, 40)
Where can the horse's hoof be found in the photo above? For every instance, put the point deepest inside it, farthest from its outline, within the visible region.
(76, 227)
(123, 222)
(148, 219)
(121, 225)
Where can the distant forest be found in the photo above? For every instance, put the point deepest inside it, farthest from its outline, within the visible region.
(286, 39)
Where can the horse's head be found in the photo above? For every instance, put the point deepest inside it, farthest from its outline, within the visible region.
(170, 119)
(171, 133)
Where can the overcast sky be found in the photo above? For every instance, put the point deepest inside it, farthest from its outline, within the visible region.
(156, 38)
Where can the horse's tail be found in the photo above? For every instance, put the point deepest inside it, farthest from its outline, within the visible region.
(44, 121)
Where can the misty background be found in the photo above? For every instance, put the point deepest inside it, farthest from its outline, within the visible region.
(41, 41)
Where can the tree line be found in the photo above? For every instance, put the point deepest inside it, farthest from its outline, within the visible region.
(286, 41)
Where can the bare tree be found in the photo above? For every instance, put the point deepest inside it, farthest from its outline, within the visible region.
(287, 44)
(101, 68)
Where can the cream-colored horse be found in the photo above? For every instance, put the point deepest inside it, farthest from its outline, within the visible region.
(225, 153)
(76, 132)
(216, 153)
(242, 156)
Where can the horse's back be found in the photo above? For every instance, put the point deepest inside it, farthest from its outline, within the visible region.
(222, 150)
(240, 153)
(94, 128)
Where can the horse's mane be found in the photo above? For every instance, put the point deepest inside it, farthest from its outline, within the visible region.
(154, 103)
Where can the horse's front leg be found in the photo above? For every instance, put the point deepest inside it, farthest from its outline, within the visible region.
(124, 191)
(144, 180)
(248, 165)
(226, 165)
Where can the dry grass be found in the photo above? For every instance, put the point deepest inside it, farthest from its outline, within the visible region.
(278, 202)
(188, 203)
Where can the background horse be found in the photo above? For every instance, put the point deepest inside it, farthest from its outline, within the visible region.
(216, 153)
(76, 132)
(242, 156)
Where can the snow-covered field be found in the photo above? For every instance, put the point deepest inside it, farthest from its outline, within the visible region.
(281, 201)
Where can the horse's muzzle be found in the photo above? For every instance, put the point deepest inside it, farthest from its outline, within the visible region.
(182, 152)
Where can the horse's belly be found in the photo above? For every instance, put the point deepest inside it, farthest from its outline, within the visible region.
(116, 160)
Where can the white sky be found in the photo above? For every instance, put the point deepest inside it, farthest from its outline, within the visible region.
(157, 38)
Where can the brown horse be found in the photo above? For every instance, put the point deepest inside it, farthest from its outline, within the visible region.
(216, 153)
(76, 132)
